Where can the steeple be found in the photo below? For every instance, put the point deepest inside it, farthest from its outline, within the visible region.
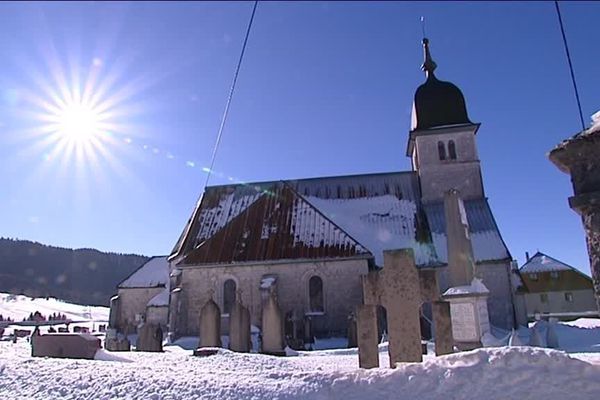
(441, 142)
(428, 64)
(437, 103)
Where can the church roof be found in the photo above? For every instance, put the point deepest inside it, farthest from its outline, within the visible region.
(153, 273)
(323, 218)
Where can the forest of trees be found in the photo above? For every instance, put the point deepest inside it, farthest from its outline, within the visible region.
(82, 276)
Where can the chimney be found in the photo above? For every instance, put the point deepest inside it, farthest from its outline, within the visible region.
(527, 256)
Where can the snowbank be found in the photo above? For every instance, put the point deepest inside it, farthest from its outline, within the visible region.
(499, 373)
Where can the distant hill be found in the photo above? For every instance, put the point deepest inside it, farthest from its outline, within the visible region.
(82, 276)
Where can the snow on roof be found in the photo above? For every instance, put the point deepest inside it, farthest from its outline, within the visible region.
(374, 211)
(379, 223)
(160, 300)
(475, 287)
(485, 237)
(154, 273)
(540, 262)
(211, 219)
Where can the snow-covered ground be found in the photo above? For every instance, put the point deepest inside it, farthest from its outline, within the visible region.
(491, 373)
(494, 373)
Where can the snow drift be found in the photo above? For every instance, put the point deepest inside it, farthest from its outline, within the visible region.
(498, 373)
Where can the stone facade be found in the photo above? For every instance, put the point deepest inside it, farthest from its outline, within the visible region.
(438, 176)
(342, 291)
(578, 157)
(132, 302)
(581, 301)
(157, 315)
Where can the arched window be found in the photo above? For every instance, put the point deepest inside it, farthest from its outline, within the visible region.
(441, 150)
(452, 150)
(229, 288)
(315, 293)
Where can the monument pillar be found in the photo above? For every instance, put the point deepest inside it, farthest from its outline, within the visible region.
(579, 157)
(461, 264)
(467, 295)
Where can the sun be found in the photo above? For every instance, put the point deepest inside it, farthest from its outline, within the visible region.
(78, 123)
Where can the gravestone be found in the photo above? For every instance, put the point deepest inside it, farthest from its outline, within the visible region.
(535, 339)
(82, 345)
(113, 319)
(272, 327)
(115, 341)
(150, 338)
(239, 326)
(444, 340)
(401, 288)
(366, 329)
(210, 325)
(352, 333)
(551, 336)
(397, 289)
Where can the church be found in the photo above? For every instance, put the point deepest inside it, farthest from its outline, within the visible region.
(310, 241)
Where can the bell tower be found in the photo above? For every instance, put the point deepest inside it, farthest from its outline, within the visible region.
(441, 141)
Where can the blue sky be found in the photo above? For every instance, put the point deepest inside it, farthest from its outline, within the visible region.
(325, 89)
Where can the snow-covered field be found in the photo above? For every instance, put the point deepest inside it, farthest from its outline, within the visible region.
(491, 373)
(18, 307)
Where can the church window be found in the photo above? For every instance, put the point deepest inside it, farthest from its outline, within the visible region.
(569, 297)
(451, 150)
(229, 288)
(315, 293)
(441, 150)
(533, 276)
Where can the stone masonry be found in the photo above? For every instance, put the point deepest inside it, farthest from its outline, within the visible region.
(580, 157)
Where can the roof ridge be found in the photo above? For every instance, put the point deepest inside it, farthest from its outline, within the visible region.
(266, 182)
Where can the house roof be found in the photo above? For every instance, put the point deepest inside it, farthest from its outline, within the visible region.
(569, 278)
(331, 217)
(153, 273)
(541, 262)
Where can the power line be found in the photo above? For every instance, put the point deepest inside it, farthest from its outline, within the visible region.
(562, 30)
(226, 111)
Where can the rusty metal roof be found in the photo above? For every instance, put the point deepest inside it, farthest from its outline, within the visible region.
(322, 218)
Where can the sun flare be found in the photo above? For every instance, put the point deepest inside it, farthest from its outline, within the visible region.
(78, 123)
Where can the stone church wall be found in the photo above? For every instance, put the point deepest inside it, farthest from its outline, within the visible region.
(157, 315)
(438, 176)
(133, 301)
(500, 306)
(342, 290)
